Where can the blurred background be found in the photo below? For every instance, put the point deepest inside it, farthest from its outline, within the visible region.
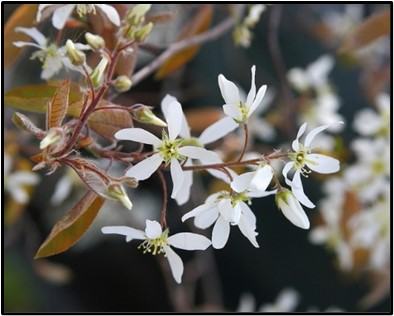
(322, 63)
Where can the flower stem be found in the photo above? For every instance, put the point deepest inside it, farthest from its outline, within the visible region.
(163, 221)
(245, 142)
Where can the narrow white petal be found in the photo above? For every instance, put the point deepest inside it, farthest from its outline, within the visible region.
(294, 212)
(262, 178)
(23, 177)
(242, 182)
(129, 232)
(198, 153)
(19, 194)
(174, 120)
(259, 194)
(138, 135)
(220, 233)
(248, 231)
(233, 111)
(175, 262)
(165, 105)
(206, 219)
(197, 211)
(229, 212)
(296, 143)
(177, 177)
(111, 13)
(218, 130)
(252, 92)
(144, 169)
(298, 191)
(285, 171)
(248, 214)
(183, 194)
(322, 163)
(229, 90)
(42, 7)
(153, 229)
(189, 241)
(34, 34)
(21, 44)
(258, 100)
(312, 134)
(61, 14)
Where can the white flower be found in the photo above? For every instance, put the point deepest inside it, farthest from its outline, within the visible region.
(61, 13)
(291, 208)
(286, 301)
(224, 209)
(169, 150)
(53, 58)
(155, 241)
(237, 110)
(302, 158)
(15, 182)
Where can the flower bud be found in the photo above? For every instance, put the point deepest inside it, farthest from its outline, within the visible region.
(97, 74)
(291, 208)
(53, 136)
(142, 33)
(145, 115)
(137, 14)
(116, 191)
(94, 41)
(122, 83)
(76, 56)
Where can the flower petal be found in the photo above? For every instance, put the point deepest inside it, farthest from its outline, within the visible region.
(61, 14)
(232, 111)
(288, 166)
(111, 13)
(312, 134)
(183, 194)
(248, 231)
(129, 232)
(177, 177)
(296, 143)
(218, 130)
(242, 182)
(34, 34)
(198, 210)
(153, 229)
(175, 262)
(248, 214)
(229, 212)
(198, 153)
(257, 101)
(144, 169)
(262, 178)
(220, 233)
(229, 90)
(138, 135)
(189, 241)
(322, 163)
(252, 91)
(294, 212)
(298, 190)
(206, 219)
(165, 105)
(174, 120)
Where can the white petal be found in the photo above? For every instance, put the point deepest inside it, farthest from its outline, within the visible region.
(111, 13)
(177, 177)
(322, 163)
(23, 177)
(153, 229)
(175, 262)
(42, 7)
(248, 214)
(19, 195)
(229, 90)
(197, 211)
(242, 182)
(183, 194)
(233, 111)
(294, 212)
(138, 135)
(174, 120)
(206, 219)
(144, 169)
(257, 101)
(228, 212)
(248, 231)
(189, 241)
(286, 169)
(262, 178)
(198, 153)
(61, 14)
(165, 105)
(34, 34)
(296, 143)
(252, 91)
(298, 190)
(21, 44)
(259, 194)
(218, 130)
(129, 232)
(220, 233)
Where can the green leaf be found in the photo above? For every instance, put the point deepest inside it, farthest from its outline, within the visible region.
(71, 227)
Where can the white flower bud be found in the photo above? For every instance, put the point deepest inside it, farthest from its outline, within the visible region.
(76, 56)
(145, 115)
(95, 41)
(97, 74)
(117, 192)
(122, 83)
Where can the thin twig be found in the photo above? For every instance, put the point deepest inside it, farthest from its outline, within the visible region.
(163, 220)
(245, 142)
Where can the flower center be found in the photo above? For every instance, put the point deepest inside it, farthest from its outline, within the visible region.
(83, 9)
(244, 112)
(300, 159)
(169, 149)
(155, 246)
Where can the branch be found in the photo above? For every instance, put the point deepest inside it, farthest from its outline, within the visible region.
(178, 46)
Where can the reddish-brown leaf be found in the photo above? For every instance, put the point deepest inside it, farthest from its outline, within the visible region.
(57, 108)
(199, 119)
(24, 16)
(71, 227)
(371, 29)
(198, 24)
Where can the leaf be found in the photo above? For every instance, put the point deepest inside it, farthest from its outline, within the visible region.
(24, 123)
(24, 16)
(371, 29)
(71, 227)
(107, 122)
(199, 24)
(35, 98)
(200, 118)
(57, 108)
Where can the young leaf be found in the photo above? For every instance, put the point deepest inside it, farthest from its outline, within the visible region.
(24, 123)
(25, 16)
(371, 29)
(199, 24)
(71, 227)
(57, 108)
